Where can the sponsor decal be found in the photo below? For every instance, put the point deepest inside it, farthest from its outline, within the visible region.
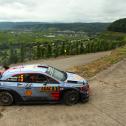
(28, 86)
(50, 88)
(28, 93)
(20, 85)
(61, 88)
(20, 78)
(55, 95)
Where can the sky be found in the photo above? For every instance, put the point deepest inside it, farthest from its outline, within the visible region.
(62, 10)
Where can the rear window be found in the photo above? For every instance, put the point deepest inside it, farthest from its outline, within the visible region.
(32, 78)
(36, 78)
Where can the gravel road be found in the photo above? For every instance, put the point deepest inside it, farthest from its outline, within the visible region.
(106, 107)
(69, 61)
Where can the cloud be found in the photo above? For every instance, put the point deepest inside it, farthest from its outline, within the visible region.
(113, 10)
(61, 10)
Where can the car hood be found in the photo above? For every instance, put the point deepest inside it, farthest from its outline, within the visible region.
(74, 78)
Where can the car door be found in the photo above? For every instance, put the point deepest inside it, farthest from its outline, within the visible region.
(43, 87)
(17, 83)
(35, 86)
(53, 89)
(28, 86)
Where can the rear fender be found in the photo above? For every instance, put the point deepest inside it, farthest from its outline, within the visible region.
(16, 96)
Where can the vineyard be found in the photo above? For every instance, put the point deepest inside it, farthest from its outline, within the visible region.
(32, 46)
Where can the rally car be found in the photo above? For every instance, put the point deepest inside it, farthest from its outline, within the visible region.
(41, 83)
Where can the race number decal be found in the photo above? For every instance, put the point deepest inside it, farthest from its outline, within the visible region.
(20, 78)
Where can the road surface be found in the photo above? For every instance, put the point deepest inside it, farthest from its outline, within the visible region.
(69, 61)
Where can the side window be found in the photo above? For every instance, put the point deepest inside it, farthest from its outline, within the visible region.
(17, 78)
(32, 78)
(35, 78)
(52, 81)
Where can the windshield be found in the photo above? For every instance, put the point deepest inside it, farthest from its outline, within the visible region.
(59, 75)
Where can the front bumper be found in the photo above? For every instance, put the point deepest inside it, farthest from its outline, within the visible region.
(84, 95)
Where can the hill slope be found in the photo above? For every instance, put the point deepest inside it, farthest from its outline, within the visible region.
(39, 26)
(118, 26)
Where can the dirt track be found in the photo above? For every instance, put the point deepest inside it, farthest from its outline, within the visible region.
(68, 61)
(107, 106)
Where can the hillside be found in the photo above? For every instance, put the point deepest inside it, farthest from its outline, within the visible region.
(38, 26)
(118, 26)
(12, 25)
(22, 46)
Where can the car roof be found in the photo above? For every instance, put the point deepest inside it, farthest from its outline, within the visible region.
(32, 68)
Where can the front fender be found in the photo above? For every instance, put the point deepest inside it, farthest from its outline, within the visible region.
(69, 89)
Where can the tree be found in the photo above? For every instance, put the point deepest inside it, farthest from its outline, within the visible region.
(118, 26)
(38, 55)
(22, 52)
(49, 49)
(4, 58)
(13, 56)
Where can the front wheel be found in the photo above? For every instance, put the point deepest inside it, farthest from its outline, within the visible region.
(85, 100)
(71, 97)
(6, 98)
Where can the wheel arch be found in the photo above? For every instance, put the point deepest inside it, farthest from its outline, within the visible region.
(15, 95)
(65, 96)
(68, 89)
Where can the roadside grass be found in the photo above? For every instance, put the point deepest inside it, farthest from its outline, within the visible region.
(91, 69)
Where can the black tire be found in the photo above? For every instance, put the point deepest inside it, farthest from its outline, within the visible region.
(71, 97)
(6, 99)
(85, 100)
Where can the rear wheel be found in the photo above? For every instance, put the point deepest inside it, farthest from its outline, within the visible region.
(71, 97)
(6, 98)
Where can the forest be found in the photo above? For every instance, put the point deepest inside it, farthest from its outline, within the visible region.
(118, 26)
